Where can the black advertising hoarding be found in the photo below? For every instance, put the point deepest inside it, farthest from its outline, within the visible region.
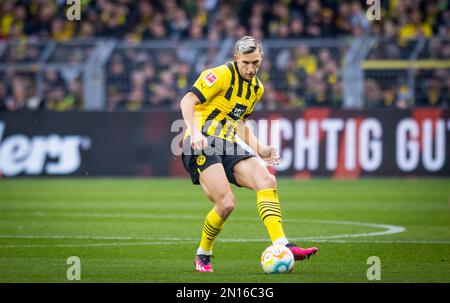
(350, 144)
(85, 144)
(313, 142)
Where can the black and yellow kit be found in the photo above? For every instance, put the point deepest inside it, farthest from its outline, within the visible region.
(225, 98)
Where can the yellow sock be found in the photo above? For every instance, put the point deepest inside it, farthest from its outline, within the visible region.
(270, 212)
(211, 228)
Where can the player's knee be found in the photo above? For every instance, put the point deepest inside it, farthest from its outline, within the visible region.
(226, 202)
(267, 180)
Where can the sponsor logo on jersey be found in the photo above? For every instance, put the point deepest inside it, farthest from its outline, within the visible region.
(237, 112)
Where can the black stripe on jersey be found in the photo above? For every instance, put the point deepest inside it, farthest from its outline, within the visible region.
(241, 86)
(230, 89)
(256, 97)
(256, 86)
(250, 109)
(229, 130)
(211, 117)
(198, 93)
(249, 92)
(240, 81)
(220, 126)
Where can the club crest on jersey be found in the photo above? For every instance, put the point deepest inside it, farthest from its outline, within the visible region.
(210, 78)
(201, 160)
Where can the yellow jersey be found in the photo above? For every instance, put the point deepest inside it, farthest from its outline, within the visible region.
(225, 98)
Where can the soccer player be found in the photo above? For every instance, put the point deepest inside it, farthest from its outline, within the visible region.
(215, 110)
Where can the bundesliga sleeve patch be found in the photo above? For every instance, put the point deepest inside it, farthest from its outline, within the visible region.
(210, 78)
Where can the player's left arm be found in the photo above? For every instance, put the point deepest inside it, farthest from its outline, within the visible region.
(267, 152)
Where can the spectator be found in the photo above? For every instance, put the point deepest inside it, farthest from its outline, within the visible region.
(302, 76)
(415, 27)
(115, 83)
(296, 29)
(433, 93)
(374, 94)
(164, 92)
(61, 30)
(6, 101)
(305, 60)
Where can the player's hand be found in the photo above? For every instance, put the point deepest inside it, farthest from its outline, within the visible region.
(198, 141)
(270, 155)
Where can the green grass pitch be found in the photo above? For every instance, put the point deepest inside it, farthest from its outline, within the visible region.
(147, 230)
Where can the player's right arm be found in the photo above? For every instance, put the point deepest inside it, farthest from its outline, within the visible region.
(188, 103)
(210, 83)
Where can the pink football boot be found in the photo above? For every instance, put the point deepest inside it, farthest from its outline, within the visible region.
(203, 263)
(301, 253)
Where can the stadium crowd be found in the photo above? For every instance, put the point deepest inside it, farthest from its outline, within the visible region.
(156, 78)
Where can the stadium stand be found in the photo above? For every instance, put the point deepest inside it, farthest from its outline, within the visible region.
(157, 48)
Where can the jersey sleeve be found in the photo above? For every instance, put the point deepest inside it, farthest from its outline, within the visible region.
(210, 83)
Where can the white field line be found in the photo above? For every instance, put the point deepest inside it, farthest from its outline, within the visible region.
(88, 245)
(386, 230)
(111, 215)
(170, 242)
(220, 240)
(88, 237)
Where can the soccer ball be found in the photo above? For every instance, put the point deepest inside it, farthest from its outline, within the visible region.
(277, 259)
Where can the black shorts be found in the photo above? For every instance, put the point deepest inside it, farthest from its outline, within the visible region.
(217, 151)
